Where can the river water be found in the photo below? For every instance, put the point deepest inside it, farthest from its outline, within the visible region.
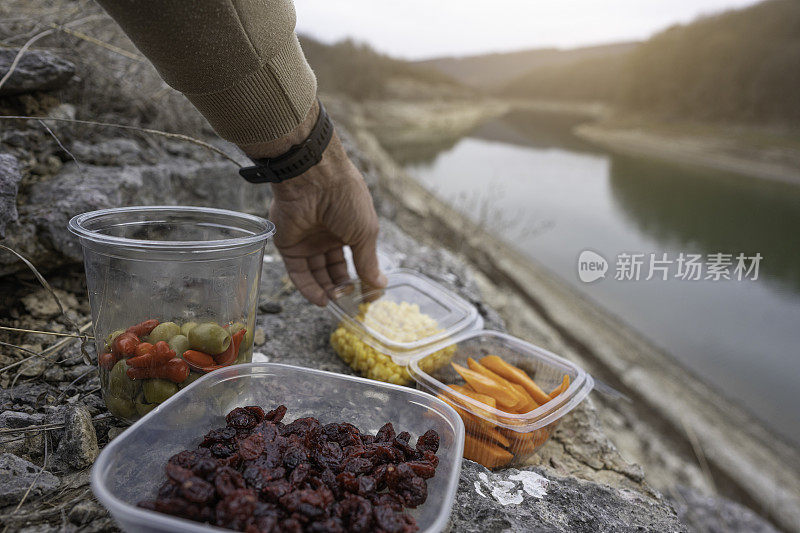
(552, 196)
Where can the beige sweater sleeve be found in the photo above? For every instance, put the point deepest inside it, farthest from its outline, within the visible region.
(238, 61)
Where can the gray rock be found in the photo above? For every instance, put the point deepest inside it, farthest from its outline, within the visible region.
(113, 152)
(271, 308)
(37, 70)
(32, 367)
(10, 176)
(86, 511)
(41, 234)
(17, 474)
(531, 500)
(54, 374)
(713, 514)
(16, 419)
(78, 446)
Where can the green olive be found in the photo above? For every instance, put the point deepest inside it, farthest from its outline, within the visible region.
(194, 376)
(144, 408)
(187, 327)
(179, 343)
(110, 338)
(164, 332)
(120, 407)
(120, 384)
(158, 390)
(209, 338)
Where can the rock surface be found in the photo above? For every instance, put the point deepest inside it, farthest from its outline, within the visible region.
(37, 70)
(705, 514)
(534, 500)
(40, 231)
(17, 475)
(78, 446)
(10, 176)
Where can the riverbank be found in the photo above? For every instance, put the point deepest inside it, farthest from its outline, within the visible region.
(772, 161)
(676, 427)
(404, 127)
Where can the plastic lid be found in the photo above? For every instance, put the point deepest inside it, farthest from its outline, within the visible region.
(409, 318)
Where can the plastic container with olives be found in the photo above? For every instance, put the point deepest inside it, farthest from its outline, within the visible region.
(173, 292)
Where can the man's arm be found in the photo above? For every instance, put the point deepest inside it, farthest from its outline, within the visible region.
(239, 62)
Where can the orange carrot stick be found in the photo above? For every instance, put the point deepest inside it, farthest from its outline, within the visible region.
(529, 404)
(489, 455)
(561, 388)
(506, 399)
(470, 420)
(480, 369)
(492, 435)
(524, 443)
(515, 375)
(477, 396)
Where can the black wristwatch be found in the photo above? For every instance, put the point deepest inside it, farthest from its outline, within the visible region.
(297, 159)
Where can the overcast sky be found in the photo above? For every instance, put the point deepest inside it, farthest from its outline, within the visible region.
(418, 29)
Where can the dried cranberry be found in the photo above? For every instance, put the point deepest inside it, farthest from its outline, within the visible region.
(274, 490)
(222, 449)
(197, 490)
(251, 447)
(392, 521)
(357, 465)
(256, 410)
(386, 433)
(236, 509)
(356, 513)
(328, 455)
(228, 480)
(277, 414)
(241, 418)
(215, 436)
(428, 441)
(347, 481)
(308, 503)
(294, 456)
(422, 469)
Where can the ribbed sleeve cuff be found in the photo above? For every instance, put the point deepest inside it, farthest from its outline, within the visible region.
(266, 104)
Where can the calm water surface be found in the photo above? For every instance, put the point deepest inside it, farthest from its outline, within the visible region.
(534, 184)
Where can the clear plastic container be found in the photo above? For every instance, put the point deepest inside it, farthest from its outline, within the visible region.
(131, 467)
(382, 330)
(179, 266)
(497, 438)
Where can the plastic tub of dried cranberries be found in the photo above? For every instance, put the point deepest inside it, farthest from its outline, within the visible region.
(277, 447)
(173, 292)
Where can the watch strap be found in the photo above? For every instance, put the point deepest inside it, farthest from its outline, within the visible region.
(297, 160)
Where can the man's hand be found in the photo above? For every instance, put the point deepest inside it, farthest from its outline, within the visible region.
(316, 214)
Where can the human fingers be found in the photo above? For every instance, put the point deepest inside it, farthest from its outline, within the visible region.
(337, 266)
(319, 269)
(365, 258)
(300, 274)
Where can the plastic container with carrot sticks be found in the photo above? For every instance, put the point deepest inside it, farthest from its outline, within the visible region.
(510, 394)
